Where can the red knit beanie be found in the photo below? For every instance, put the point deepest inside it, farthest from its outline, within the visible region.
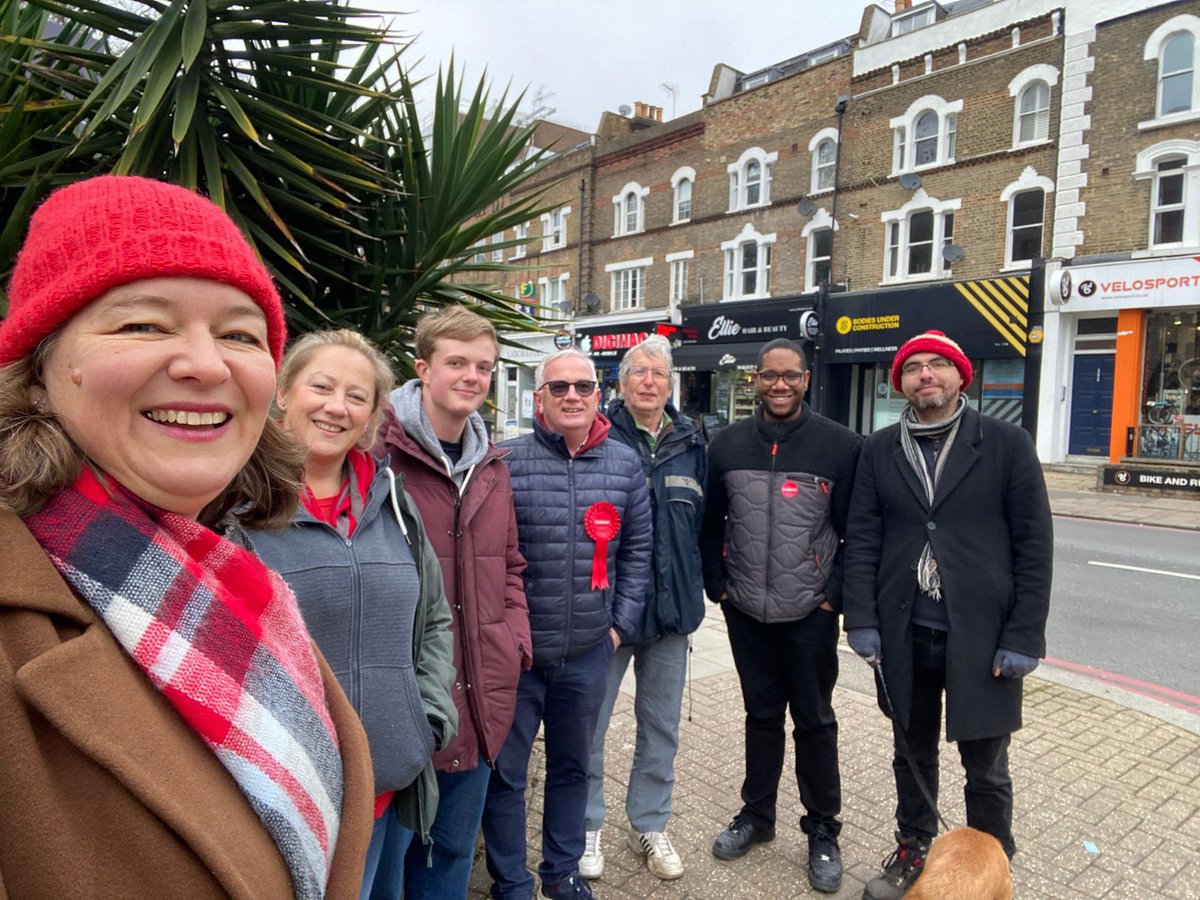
(932, 342)
(98, 234)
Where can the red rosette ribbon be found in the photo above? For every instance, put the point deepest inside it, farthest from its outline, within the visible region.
(601, 522)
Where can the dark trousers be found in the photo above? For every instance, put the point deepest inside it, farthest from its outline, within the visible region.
(988, 792)
(567, 697)
(782, 666)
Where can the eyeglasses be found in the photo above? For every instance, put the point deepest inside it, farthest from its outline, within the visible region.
(560, 388)
(791, 378)
(934, 365)
(642, 371)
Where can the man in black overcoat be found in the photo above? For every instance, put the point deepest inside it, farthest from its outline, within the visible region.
(947, 584)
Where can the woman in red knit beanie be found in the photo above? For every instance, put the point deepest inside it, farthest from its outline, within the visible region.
(169, 729)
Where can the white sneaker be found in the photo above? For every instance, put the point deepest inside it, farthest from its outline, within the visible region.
(591, 864)
(661, 858)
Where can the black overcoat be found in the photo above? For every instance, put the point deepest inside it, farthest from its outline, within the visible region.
(992, 535)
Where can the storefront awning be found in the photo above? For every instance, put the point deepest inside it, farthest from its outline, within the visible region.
(717, 357)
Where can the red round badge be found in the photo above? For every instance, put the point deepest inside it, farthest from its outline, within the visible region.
(789, 489)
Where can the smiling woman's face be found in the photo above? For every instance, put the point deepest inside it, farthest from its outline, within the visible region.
(330, 402)
(165, 385)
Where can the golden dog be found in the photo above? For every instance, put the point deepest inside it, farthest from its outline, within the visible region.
(964, 864)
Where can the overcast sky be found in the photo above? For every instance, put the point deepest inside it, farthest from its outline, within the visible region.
(595, 55)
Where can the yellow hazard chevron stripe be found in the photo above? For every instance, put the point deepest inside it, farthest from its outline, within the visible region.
(1004, 303)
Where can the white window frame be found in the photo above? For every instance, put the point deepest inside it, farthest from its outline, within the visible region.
(627, 283)
(912, 21)
(1146, 168)
(554, 229)
(904, 127)
(553, 290)
(497, 252)
(814, 148)
(733, 253)
(738, 178)
(680, 264)
(629, 204)
(901, 219)
(1155, 45)
(819, 223)
(520, 233)
(682, 174)
(1030, 180)
(1025, 80)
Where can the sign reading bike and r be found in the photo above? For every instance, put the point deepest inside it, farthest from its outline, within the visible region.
(1144, 283)
(1157, 478)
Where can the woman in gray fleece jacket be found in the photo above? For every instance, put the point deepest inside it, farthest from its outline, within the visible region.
(368, 583)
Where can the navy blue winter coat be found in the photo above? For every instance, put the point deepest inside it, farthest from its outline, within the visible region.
(551, 493)
(676, 469)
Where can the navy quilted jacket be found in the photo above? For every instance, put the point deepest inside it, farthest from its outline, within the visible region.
(551, 493)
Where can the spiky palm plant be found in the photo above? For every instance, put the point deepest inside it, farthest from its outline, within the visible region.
(294, 116)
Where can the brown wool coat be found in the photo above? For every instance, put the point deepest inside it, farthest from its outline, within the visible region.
(105, 791)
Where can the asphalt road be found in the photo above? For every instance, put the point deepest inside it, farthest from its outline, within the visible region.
(1126, 600)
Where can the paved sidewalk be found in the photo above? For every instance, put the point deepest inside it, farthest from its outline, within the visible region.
(1107, 784)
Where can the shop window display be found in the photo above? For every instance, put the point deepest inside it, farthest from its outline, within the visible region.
(1170, 426)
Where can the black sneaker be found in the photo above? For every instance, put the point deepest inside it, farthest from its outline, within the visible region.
(824, 861)
(900, 870)
(570, 888)
(742, 834)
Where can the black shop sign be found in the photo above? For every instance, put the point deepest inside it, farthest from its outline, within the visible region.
(1152, 478)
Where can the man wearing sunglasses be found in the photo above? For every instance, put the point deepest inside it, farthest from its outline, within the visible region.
(585, 529)
(776, 510)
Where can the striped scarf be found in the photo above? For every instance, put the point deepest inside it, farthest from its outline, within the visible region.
(221, 637)
(928, 577)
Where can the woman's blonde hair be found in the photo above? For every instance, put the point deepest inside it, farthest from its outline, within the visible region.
(38, 458)
(302, 351)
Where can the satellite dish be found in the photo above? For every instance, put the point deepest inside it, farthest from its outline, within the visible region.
(625, 109)
(591, 301)
(564, 306)
(910, 181)
(952, 253)
(806, 207)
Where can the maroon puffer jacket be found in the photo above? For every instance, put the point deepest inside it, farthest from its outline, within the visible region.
(482, 569)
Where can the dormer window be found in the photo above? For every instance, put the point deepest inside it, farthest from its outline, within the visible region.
(912, 21)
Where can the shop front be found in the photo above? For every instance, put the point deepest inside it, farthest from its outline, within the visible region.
(513, 382)
(1123, 344)
(717, 351)
(988, 318)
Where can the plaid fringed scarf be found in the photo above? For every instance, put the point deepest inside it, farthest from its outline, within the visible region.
(221, 637)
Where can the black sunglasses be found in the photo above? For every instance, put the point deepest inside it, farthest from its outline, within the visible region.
(560, 388)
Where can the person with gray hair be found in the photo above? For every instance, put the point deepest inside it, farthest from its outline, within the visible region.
(584, 527)
(675, 464)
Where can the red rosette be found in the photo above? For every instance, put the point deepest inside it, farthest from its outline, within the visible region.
(601, 522)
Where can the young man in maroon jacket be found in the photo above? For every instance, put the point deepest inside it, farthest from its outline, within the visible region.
(462, 489)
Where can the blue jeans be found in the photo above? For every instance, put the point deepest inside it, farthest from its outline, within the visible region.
(385, 853)
(460, 806)
(660, 669)
(567, 697)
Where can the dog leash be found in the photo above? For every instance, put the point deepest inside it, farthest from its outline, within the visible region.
(877, 665)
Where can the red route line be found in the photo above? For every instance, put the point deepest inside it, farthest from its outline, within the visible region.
(1169, 696)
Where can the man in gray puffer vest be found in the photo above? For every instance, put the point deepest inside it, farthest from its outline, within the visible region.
(583, 516)
(778, 494)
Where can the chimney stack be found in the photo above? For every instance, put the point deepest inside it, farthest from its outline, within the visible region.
(901, 5)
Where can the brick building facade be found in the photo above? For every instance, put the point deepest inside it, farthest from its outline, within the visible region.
(902, 178)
